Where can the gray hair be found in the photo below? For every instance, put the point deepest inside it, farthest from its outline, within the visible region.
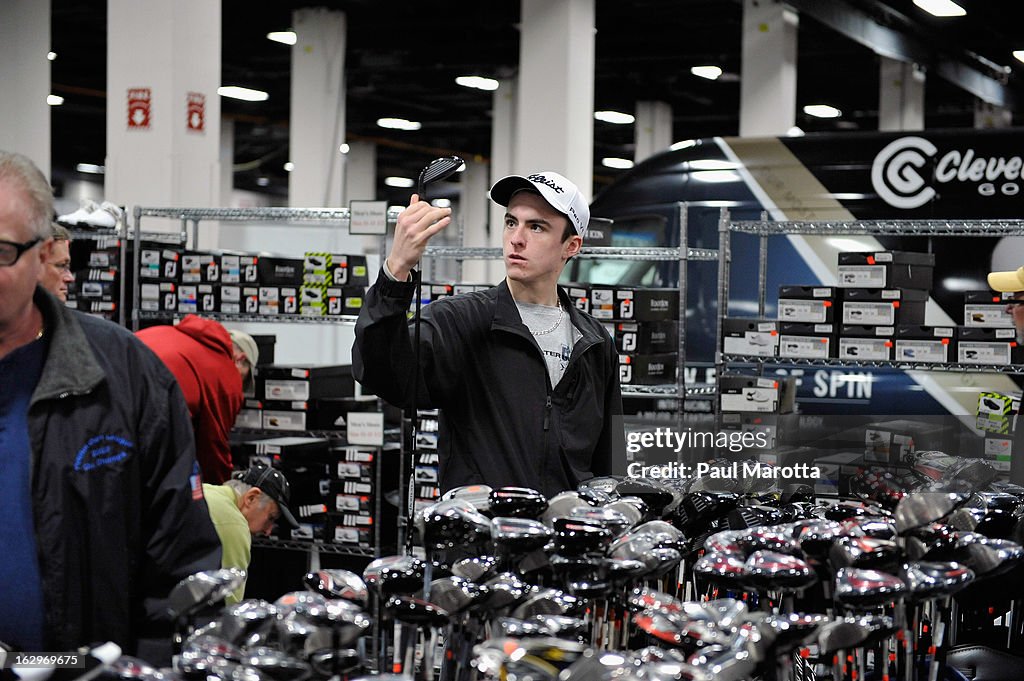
(241, 488)
(19, 171)
(59, 232)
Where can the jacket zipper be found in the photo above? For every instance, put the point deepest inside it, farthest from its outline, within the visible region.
(547, 412)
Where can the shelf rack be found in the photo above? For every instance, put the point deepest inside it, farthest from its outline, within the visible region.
(765, 228)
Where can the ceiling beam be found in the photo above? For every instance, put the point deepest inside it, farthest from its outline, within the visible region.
(862, 28)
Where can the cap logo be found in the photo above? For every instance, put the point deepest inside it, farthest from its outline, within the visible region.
(540, 179)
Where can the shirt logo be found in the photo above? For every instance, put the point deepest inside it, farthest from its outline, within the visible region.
(195, 482)
(102, 450)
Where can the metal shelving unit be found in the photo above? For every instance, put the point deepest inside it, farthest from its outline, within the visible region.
(765, 228)
(243, 317)
(319, 546)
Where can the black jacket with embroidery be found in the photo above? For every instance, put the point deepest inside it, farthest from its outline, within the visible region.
(501, 422)
(118, 521)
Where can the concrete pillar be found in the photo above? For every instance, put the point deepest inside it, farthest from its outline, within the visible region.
(503, 153)
(25, 80)
(768, 71)
(360, 171)
(991, 116)
(900, 95)
(652, 129)
(556, 67)
(163, 111)
(317, 120)
(473, 209)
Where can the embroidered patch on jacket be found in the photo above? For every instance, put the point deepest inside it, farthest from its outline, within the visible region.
(102, 450)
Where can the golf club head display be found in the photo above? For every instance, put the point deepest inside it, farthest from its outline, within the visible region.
(439, 169)
(203, 590)
(337, 583)
(517, 502)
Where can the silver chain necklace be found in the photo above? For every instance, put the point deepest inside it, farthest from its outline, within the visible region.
(561, 313)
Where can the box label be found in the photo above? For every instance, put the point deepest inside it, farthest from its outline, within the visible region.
(862, 276)
(883, 314)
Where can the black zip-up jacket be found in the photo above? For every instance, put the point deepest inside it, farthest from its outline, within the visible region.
(118, 521)
(501, 421)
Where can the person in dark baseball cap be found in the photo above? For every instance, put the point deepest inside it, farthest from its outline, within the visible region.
(248, 504)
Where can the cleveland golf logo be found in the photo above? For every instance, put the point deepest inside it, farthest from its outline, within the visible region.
(899, 170)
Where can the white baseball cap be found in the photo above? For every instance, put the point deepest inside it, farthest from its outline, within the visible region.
(1007, 282)
(560, 193)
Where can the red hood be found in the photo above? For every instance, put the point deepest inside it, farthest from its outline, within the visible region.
(208, 332)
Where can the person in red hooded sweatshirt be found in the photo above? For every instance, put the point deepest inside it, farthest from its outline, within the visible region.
(212, 365)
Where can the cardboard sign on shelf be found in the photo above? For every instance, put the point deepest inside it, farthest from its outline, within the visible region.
(366, 428)
(368, 217)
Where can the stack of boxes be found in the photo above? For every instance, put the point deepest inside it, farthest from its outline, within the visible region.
(96, 263)
(332, 284)
(159, 276)
(996, 419)
(426, 482)
(987, 335)
(644, 322)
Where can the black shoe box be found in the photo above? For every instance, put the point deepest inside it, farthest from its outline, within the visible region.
(344, 529)
(331, 413)
(239, 299)
(752, 337)
(883, 306)
(798, 340)
(987, 309)
(647, 338)
(980, 345)
(303, 382)
(921, 343)
(807, 304)
(103, 274)
(602, 302)
(159, 261)
(886, 269)
(748, 394)
(647, 304)
(102, 291)
(334, 269)
(276, 449)
(859, 342)
(158, 296)
(277, 271)
(353, 504)
(278, 300)
(96, 252)
(198, 298)
(349, 300)
(239, 268)
(636, 369)
(104, 309)
(579, 294)
(200, 267)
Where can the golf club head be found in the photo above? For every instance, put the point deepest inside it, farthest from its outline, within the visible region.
(517, 502)
(478, 496)
(248, 623)
(337, 583)
(416, 611)
(277, 664)
(867, 588)
(203, 589)
(922, 508)
(437, 170)
(926, 579)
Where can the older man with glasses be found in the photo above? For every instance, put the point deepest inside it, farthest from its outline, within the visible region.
(56, 274)
(100, 491)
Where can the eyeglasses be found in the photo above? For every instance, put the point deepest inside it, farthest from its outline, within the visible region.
(10, 251)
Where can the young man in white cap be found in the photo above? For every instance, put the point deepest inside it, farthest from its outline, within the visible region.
(527, 385)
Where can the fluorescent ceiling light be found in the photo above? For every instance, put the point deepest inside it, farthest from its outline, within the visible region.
(822, 111)
(1019, 55)
(51, 55)
(403, 182)
(844, 243)
(685, 144)
(612, 162)
(54, 100)
(91, 168)
(709, 72)
(941, 8)
(286, 37)
(289, 166)
(616, 117)
(243, 93)
(398, 124)
(715, 176)
(712, 164)
(441, 203)
(344, 148)
(478, 82)
(795, 131)
(263, 181)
